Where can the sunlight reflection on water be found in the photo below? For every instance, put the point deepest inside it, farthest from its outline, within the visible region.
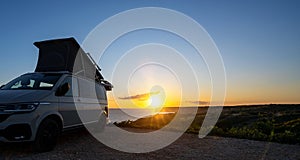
(119, 115)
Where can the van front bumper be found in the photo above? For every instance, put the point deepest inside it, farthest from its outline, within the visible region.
(16, 132)
(16, 127)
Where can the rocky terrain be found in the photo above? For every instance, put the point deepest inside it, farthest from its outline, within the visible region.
(80, 145)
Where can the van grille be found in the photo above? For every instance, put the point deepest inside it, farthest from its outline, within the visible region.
(2, 108)
(4, 116)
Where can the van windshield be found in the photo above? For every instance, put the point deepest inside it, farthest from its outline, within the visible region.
(33, 81)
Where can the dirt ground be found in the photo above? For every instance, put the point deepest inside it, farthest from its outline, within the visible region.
(80, 145)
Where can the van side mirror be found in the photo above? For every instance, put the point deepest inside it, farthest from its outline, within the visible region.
(2, 86)
(108, 86)
(63, 89)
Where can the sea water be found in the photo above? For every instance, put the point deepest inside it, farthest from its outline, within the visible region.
(119, 115)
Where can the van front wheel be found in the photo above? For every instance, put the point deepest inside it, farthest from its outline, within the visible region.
(46, 136)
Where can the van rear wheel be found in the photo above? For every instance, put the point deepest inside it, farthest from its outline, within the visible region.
(47, 136)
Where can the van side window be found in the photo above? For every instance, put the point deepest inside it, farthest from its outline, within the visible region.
(101, 92)
(90, 89)
(86, 88)
(73, 91)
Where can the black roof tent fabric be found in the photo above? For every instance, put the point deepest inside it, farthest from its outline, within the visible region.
(60, 55)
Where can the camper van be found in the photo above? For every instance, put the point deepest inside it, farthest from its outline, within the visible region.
(65, 91)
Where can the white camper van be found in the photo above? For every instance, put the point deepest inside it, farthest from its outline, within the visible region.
(38, 106)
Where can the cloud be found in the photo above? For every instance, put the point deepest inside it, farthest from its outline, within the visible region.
(140, 97)
(198, 102)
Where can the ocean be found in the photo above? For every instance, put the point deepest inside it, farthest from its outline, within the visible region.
(119, 115)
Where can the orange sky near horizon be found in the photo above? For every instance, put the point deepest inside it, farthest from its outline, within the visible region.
(234, 96)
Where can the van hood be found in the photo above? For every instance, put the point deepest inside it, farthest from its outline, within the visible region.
(17, 96)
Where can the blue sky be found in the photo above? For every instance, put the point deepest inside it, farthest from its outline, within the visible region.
(258, 40)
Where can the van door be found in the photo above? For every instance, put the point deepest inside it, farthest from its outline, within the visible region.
(89, 108)
(67, 102)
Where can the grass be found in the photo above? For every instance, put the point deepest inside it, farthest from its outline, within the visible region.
(274, 123)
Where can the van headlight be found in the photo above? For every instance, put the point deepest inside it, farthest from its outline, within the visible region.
(21, 107)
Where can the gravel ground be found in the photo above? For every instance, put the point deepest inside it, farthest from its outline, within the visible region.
(80, 145)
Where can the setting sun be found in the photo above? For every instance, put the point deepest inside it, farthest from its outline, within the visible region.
(156, 101)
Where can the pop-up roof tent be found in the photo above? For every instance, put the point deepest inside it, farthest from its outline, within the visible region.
(60, 55)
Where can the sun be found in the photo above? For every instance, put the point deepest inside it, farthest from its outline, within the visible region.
(156, 101)
(157, 97)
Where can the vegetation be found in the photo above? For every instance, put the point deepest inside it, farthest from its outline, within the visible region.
(275, 123)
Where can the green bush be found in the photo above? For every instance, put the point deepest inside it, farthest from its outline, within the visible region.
(265, 127)
(217, 131)
(286, 137)
(247, 133)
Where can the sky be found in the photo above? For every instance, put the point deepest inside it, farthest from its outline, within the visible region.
(259, 42)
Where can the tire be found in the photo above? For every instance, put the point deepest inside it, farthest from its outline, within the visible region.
(47, 136)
